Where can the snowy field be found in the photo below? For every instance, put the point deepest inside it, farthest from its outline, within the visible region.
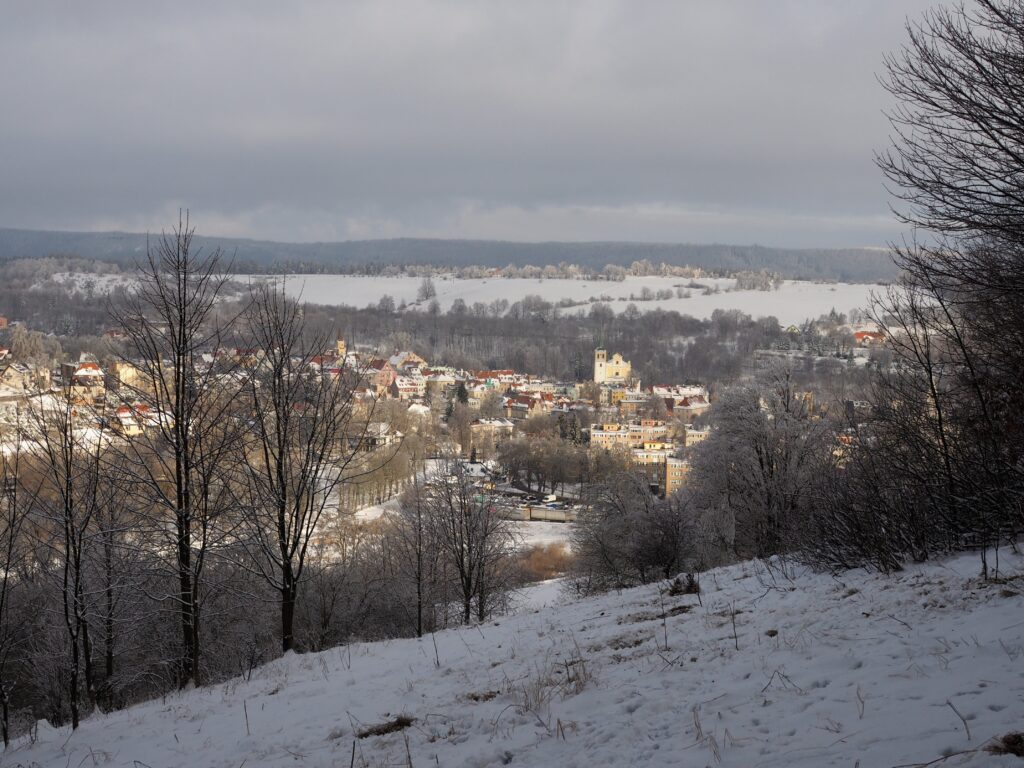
(792, 303)
(538, 533)
(541, 594)
(861, 670)
(528, 534)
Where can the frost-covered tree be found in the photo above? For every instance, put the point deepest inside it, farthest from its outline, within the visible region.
(67, 488)
(427, 290)
(625, 535)
(475, 540)
(13, 556)
(755, 474)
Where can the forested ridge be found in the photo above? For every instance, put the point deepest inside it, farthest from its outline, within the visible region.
(372, 256)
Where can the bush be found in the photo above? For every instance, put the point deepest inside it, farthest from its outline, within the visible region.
(545, 561)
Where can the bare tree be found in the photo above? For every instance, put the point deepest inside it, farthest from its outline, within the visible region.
(117, 563)
(474, 538)
(955, 325)
(959, 126)
(426, 291)
(12, 556)
(756, 472)
(416, 554)
(67, 490)
(170, 319)
(299, 453)
(625, 535)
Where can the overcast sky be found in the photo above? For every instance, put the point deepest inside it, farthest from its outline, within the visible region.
(685, 121)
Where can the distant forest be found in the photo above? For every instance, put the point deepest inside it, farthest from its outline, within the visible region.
(375, 256)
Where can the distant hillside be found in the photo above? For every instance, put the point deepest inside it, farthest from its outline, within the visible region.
(848, 264)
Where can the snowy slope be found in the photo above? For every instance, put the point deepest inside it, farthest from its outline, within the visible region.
(865, 670)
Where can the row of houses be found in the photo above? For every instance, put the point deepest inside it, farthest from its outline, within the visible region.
(636, 434)
(618, 405)
(656, 447)
(19, 377)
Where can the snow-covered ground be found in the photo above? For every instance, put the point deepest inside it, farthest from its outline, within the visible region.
(861, 670)
(528, 534)
(541, 594)
(374, 511)
(538, 533)
(794, 302)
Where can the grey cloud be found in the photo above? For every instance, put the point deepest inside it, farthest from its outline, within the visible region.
(734, 121)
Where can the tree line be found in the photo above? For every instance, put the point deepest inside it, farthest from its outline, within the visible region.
(935, 463)
(377, 256)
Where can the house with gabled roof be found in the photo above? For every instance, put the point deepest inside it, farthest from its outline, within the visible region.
(869, 338)
(126, 422)
(407, 359)
(380, 375)
(408, 387)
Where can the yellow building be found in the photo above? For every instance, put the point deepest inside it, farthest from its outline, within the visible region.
(631, 435)
(126, 422)
(647, 431)
(610, 436)
(676, 471)
(615, 370)
(629, 407)
(122, 374)
(650, 460)
(617, 395)
(695, 436)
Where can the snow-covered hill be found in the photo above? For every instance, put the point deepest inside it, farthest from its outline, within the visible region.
(864, 670)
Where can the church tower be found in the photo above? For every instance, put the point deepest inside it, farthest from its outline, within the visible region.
(600, 365)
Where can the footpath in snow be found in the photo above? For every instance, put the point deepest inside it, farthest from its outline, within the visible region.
(861, 670)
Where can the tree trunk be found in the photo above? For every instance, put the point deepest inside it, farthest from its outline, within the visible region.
(185, 597)
(73, 685)
(89, 672)
(287, 616)
(419, 593)
(481, 606)
(5, 716)
(193, 648)
(108, 630)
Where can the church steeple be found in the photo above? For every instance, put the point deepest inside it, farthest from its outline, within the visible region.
(600, 365)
